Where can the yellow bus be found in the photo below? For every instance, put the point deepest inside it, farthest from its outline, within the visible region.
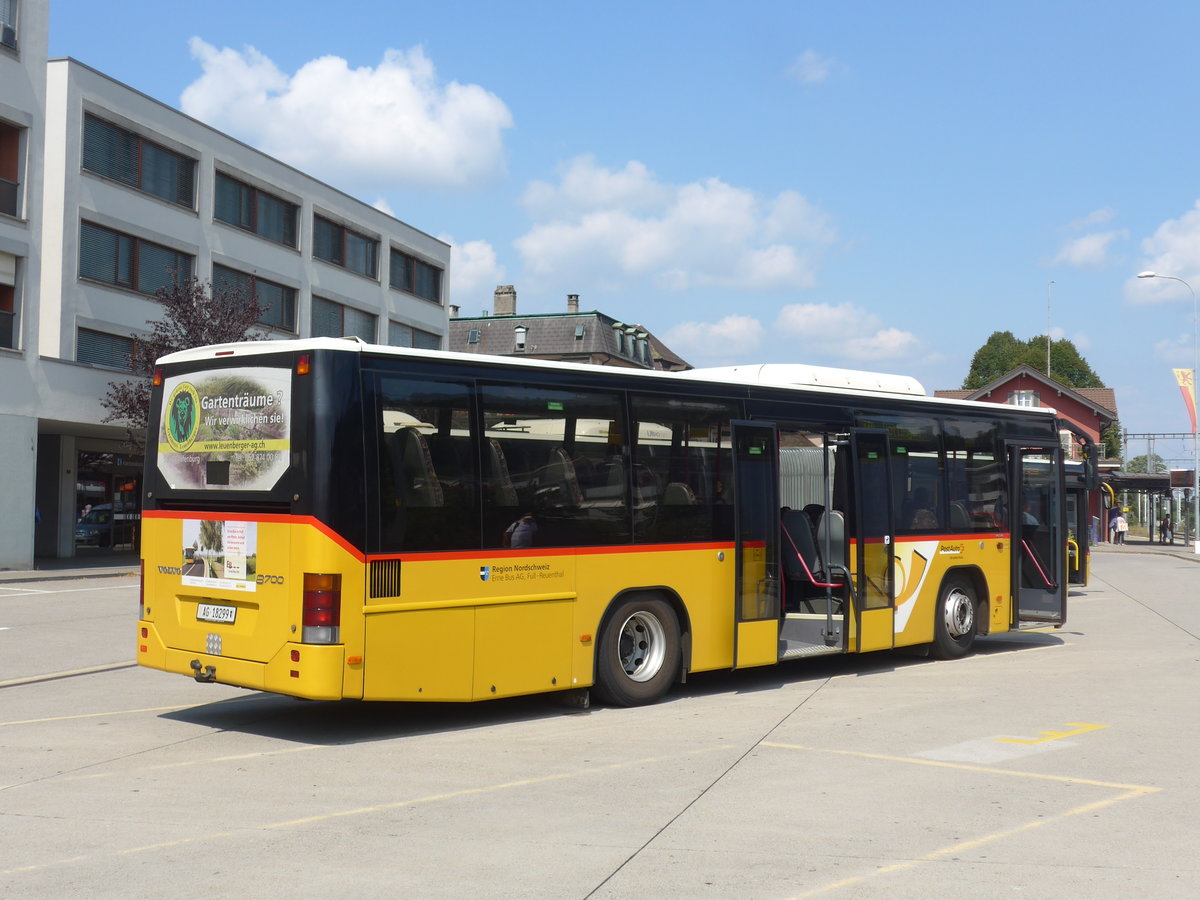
(329, 519)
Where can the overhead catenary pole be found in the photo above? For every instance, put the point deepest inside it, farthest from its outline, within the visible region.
(1049, 285)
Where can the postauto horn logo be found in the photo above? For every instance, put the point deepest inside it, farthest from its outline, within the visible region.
(183, 417)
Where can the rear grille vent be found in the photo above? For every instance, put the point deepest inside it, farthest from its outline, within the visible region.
(385, 578)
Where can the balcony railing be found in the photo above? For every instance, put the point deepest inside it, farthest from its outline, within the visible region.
(8, 196)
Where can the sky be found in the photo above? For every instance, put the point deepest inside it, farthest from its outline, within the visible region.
(873, 186)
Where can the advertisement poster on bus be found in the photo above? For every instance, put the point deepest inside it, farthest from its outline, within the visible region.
(228, 429)
(220, 554)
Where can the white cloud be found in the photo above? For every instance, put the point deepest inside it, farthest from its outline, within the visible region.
(1096, 217)
(615, 226)
(734, 337)
(386, 126)
(812, 68)
(1089, 251)
(584, 186)
(474, 272)
(844, 332)
(1174, 249)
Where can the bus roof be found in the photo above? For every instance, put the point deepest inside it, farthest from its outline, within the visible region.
(812, 379)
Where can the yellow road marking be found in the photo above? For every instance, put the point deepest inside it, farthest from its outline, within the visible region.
(433, 798)
(1127, 792)
(118, 712)
(1081, 728)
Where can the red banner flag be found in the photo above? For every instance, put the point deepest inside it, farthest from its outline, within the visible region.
(1187, 386)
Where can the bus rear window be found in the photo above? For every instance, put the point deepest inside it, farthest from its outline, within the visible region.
(227, 429)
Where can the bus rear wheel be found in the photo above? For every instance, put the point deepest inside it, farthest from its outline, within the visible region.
(639, 652)
(954, 623)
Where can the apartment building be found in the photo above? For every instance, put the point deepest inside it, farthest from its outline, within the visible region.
(114, 193)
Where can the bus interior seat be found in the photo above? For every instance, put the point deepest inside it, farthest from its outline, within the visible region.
(557, 484)
(447, 456)
(958, 516)
(501, 480)
(834, 525)
(678, 494)
(418, 482)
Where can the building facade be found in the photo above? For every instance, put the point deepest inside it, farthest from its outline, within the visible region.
(590, 337)
(1091, 410)
(116, 194)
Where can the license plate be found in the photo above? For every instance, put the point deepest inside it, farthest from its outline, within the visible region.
(207, 612)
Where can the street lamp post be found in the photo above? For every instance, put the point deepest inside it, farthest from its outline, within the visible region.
(1196, 426)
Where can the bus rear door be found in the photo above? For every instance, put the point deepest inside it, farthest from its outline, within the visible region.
(757, 524)
(874, 530)
(1037, 521)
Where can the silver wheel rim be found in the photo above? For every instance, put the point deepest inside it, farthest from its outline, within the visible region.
(959, 613)
(642, 646)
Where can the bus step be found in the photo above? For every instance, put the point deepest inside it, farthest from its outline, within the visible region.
(798, 649)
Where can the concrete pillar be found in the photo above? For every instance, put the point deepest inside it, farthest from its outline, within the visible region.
(18, 449)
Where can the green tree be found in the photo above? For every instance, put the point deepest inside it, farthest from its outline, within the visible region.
(1151, 464)
(194, 314)
(1111, 441)
(1003, 352)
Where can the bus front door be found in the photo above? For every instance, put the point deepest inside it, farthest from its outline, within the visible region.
(874, 618)
(1037, 521)
(757, 524)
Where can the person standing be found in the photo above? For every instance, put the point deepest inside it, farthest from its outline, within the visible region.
(1165, 531)
(1122, 526)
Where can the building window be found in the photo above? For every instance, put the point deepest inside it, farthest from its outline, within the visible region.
(8, 23)
(330, 319)
(343, 247)
(279, 301)
(249, 208)
(520, 332)
(131, 159)
(125, 261)
(10, 167)
(415, 276)
(8, 315)
(1023, 398)
(473, 336)
(100, 349)
(401, 335)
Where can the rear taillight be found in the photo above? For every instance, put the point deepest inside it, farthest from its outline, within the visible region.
(322, 609)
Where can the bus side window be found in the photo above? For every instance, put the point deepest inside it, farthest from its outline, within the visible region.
(428, 487)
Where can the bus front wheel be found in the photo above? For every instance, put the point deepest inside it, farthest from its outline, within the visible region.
(954, 623)
(639, 652)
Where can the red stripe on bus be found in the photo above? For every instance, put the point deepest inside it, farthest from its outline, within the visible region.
(272, 518)
(433, 555)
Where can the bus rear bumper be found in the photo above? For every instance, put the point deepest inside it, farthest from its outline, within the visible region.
(298, 670)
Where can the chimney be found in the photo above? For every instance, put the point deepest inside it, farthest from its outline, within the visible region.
(504, 300)
(453, 311)
(572, 303)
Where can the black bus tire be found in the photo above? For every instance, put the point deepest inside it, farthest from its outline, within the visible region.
(638, 656)
(955, 618)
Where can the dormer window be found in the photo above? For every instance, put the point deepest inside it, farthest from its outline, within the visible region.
(1023, 398)
(519, 333)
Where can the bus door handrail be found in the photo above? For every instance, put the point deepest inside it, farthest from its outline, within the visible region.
(1050, 586)
(1071, 543)
(804, 563)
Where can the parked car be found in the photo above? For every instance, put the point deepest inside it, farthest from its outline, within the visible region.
(98, 529)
